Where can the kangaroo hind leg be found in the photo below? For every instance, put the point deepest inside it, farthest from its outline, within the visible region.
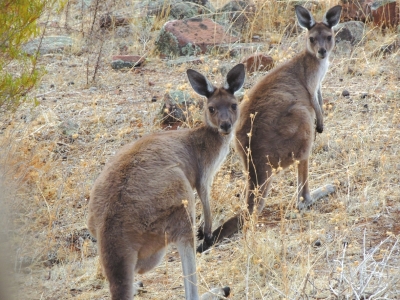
(118, 262)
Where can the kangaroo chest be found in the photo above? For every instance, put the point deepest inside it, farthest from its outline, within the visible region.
(210, 169)
(316, 76)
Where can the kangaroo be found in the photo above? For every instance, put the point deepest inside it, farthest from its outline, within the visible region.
(277, 123)
(143, 200)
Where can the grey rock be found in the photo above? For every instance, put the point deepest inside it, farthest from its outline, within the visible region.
(177, 9)
(236, 13)
(176, 106)
(183, 10)
(120, 64)
(352, 31)
(49, 44)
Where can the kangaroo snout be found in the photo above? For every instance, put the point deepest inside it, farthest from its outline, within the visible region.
(225, 128)
(321, 52)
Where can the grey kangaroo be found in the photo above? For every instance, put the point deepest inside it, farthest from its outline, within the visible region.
(284, 105)
(143, 200)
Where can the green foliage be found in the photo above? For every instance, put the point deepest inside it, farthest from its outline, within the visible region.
(18, 71)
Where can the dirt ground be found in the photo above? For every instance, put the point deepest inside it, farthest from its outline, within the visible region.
(344, 247)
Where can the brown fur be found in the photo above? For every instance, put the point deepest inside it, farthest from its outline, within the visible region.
(143, 199)
(285, 104)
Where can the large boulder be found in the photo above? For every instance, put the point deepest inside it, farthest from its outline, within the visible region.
(191, 36)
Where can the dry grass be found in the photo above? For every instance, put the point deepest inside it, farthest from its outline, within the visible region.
(345, 247)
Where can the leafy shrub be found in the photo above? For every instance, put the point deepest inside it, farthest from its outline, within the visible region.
(18, 71)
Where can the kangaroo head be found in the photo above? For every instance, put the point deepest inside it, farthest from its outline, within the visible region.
(320, 35)
(221, 111)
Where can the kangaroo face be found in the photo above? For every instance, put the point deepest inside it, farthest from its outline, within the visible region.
(320, 35)
(222, 111)
(222, 106)
(320, 40)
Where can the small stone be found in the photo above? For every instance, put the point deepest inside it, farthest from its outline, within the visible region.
(154, 99)
(120, 64)
(345, 93)
(137, 60)
(363, 96)
(127, 61)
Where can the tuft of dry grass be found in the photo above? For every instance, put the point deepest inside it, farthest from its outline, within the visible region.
(345, 247)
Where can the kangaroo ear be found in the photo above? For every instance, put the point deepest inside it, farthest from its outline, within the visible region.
(332, 16)
(304, 17)
(199, 83)
(235, 79)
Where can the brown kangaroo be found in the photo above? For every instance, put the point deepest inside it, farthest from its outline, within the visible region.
(277, 127)
(143, 200)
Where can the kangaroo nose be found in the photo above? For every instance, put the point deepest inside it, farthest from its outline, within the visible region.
(225, 126)
(322, 51)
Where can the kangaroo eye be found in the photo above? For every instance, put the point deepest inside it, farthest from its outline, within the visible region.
(234, 106)
(211, 109)
(329, 38)
(311, 39)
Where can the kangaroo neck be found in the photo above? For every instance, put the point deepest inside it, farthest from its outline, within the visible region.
(314, 70)
(210, 139)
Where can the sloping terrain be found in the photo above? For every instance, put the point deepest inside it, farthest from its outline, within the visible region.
(345, 245)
